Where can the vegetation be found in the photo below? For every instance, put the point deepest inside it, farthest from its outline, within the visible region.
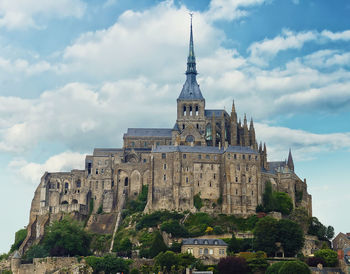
(138, 205)
(4, 256)
(233, 265)
(301, 217)
(156, 218)
(268, 231)
(66, 237)
(169, 261)
(322, 232)
(274, 268)
(35, 251)
(197, 201)
(314, 261)
(19, 238)
(329, 257)
(275, 201)
(100, 243)
(175, 228)
(293, 267)
(108, 264)
(256, 261)
(239, 245)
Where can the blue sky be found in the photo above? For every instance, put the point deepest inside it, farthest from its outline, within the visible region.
(75, 74)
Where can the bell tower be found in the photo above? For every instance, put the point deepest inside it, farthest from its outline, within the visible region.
(190, 103)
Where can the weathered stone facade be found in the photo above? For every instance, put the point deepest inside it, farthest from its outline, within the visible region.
(207, 152)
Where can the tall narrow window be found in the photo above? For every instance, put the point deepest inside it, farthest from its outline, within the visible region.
(184, 111)
(191, 111)
(197, 110)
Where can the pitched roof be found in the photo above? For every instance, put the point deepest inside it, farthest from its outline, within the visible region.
(217, 112)
(190, 90)
(148, 132)
(203, 149)
(195, 241)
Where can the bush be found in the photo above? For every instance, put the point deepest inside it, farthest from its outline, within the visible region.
(135, 271)
(156, 218)
(274, 268)
(139, 204)
(174, 228)
(329, 256)
(218, 230)
(35, 251)
(233, 265)
(175, 247)
(314, 261)
(123, 247)
(157, 246)
(294, 267)
(197, 201)
(109, 264)
(66, 237)
(19, 238)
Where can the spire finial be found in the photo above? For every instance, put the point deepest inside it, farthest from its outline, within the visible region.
(191, 60)
(233, 106)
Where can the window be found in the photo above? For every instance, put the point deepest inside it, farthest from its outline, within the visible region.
(164, 177)
(103, 184)
(163, 156)
(249, 157)
(198, 183)
(215, 157)
(186, 179)
(199, 156)
(250, 179)
(184, 112)
(211, 251)
(99, 162)
(66, 185)
(197, 126)
(252, 193)
(102, 171)
(96, 171)
(214, 176)
(133, 144)
(144, 160)
(256, 157)
(236, 192)
(236, 179)
(157, 143)
(183, 126)
(184, 156)
(215, 242)
(186, 168)
(207, 156)
(243, 156)
(210, 184)
(206, 251)
(164, 167)
(78, 183)
(201, 175)
(238, 167)
(246, 168)
(145, 144)
(106, 162)
(206, 242)
(126, 181)
(212, 167)
(190, 110)
(195, 242)
(235, 156)
(197, 109)
(201, 251)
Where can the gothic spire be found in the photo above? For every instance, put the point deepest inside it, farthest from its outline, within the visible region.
(251, 126)
(233, 106)
(191, 59)
(191, 90)
(290, 162)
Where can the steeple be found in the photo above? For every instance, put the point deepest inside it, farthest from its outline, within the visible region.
(190, 90)
(191, 59)
(290, 162)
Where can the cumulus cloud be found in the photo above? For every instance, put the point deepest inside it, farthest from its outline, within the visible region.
(23, 14)
(334, 36)
(231, 9)
(261, 52)
(305, 145)
(32, 172)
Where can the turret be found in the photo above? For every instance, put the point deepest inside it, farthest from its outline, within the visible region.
(290, 162)
(252, 141)
(233, 126)
(245, 132)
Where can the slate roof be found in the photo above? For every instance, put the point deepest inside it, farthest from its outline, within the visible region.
(203, 149)
(148, 132)
(217, 112)
(190, 90)
(108, 151)
(273, 166)
(191, 241)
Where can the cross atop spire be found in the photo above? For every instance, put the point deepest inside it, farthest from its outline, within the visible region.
(191, 60)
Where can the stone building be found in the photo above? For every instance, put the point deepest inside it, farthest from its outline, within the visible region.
(209, 153)
(209, 250)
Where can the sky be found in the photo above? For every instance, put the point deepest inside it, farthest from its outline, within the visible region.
(75, 74)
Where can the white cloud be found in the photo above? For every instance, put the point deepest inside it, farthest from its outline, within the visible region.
(32, 172)
(22, 14)
(231, 9)
(305, 145)
(262, 52)
(109, 3)
(334, 36)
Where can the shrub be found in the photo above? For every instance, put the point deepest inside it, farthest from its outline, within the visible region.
(134, 271)
(232, 265)
(100, 209)
(174, 228)
(294, 267)
(35, 251)
(274, 268)
(197, 201)
(175, 247)
(218, 230)
(329, 256)
(157, 246)
(19, 238)
(314, 261)
(108, 264)
(156, 218)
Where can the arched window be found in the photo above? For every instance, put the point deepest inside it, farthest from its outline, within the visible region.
(208, 135)
(75, 201)
(66, 185)
(191, 111)
(64, 203)
(184, 111)
(197, 110)
(78, 183)
(215, 242)
(126, 181)
(189, 138)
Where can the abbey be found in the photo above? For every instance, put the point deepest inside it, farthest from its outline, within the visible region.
(208, 153)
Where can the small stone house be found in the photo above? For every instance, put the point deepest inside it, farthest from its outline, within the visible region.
(341, 241)
(207, 249)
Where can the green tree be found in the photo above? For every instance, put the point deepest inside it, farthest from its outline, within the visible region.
(234, 245)
(301, 217)
(291, 236)
(174, 227)
(316, 228)
(157, 246)
(66, 237)
(330, 232)
(329, 256)
(35, 251)
(268, 201)
(197, 201)
(283, 203)
(294, 267)
(108, 264)
(123, 247)
(19, 238)
(265, 234)
(166, 260)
